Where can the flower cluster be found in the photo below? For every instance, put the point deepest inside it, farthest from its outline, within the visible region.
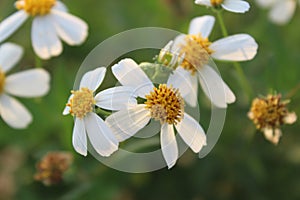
(164, 103)
(188, 58)
(130, 107)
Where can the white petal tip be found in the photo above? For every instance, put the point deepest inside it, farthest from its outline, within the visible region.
(107, 153)
(273, 135)
(14, 113)
(220, 105)
(20, 125)
(81, 152)
(171, 165)
(23, 126)
(66, 111)
(126, 61)
(290, 118)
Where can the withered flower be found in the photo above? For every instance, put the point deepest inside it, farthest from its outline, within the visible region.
(268, 114)
(51, 168)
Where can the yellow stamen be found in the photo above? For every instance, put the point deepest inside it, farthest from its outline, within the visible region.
(165, 104)
(196, 52)
(269, 112)
(2, 81)
(35, 7)
(82, 102)
(216, 3)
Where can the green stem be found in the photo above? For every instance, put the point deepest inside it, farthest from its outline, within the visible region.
(221, 22)
(38, 62)
(242, 78)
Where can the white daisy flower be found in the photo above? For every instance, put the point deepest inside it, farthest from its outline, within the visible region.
(197, 49)
(164, 103)
(281, 11)
(237, 6)
(51, 23)
(29, 83)
(81, 105)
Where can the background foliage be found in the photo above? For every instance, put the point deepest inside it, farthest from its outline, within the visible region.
(241, 166)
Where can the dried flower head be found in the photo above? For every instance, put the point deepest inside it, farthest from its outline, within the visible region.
(51, 168)
(268, 114)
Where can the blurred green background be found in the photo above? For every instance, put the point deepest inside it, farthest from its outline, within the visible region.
(243, 165)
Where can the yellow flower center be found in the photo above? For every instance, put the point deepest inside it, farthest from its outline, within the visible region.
(2, 81)
(82, 102)
(165, 104)
(268, 112)
(196, 52)
(35, 7)
(216, 3)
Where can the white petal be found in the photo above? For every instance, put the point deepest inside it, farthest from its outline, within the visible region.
(45, 42)
(60, 6)
(101, 137)
(181, 79)
(192, 98)
(70, 28)
(79, 140)
(239, 47)
(202, 25)
(125, 123)
(282, 11)
(9, 25)
(29, 83)
(178, 42)
(203, 2)
(272, 135)
(116, 98)
(67, 108)
(168, 144)
(10, 54)
(14, 113)
(290, 118)
(93, 79)
(213, 86)
(191, 132)
(130, 74)
(236, 6)
(230, 97)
